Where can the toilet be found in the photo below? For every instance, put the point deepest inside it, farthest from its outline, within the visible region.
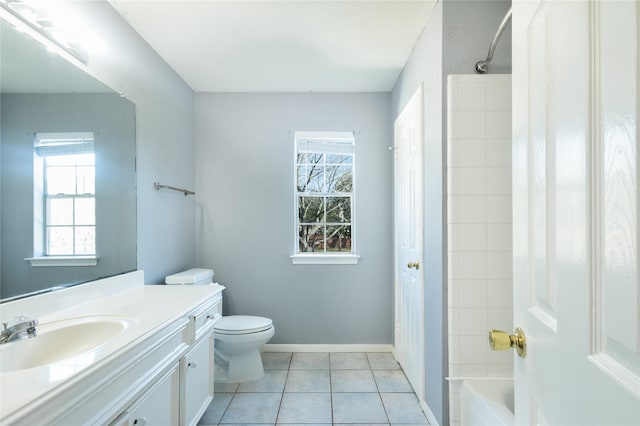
(238, 338)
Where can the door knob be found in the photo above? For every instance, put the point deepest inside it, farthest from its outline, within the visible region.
(415, 265)
(502, 341)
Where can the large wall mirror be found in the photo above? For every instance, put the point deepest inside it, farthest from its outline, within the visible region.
(67, 175)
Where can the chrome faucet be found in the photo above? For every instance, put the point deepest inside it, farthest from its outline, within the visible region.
(18, 328)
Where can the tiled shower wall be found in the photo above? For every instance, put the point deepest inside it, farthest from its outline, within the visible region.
(479, 227)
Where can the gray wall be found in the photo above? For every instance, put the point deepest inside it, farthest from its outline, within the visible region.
(457, 35)
(164, 138)
(244, 187)
(111, 118)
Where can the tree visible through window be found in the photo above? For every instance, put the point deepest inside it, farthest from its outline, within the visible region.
(324, 192)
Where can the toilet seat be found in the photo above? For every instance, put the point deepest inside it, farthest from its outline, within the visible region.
(242, 324)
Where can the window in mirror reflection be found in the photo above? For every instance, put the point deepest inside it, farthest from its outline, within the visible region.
(66, 216)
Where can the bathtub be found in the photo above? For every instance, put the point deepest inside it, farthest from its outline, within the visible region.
(486, 402)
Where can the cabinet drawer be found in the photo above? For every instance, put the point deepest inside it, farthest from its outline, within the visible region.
(159, 406)
(197, 368)
(204, 318)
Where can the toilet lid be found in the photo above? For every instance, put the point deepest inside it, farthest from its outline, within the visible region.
(242, 324)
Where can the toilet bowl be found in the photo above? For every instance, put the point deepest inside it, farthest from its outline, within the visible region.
(238, 338)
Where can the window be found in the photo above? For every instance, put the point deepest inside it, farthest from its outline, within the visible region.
(324, 197)
(65, 209)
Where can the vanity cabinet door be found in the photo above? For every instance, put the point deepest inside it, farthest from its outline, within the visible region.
(197, 374)
(158, 406)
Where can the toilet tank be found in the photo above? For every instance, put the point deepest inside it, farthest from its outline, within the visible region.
(195, 276)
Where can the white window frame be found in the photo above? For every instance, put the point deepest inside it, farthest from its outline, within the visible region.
(45, 145)
(315, 258)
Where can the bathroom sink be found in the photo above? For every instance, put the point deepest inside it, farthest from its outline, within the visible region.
(66, 339)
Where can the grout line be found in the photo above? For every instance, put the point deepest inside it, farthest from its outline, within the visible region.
(384, 407)
(331, 391)
(290, 362)
(229, 404)
(284, 386)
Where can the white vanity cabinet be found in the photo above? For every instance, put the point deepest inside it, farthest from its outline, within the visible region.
(161, 374)
(127, 386)
(181, 395)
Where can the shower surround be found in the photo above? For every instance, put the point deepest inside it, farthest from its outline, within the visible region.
(479, 227)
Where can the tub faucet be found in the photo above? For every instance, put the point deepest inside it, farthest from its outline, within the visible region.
(18, 328)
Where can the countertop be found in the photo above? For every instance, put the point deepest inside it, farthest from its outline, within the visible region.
(151, 307)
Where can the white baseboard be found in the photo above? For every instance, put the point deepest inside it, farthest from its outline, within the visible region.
(275, 347)
(427, 412)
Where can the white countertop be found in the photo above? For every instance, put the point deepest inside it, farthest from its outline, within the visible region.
(150, 306)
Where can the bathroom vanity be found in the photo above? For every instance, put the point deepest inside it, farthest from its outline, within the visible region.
(112, 352)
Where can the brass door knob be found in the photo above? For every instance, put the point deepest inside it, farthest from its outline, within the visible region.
(415, 265)
(502, 341)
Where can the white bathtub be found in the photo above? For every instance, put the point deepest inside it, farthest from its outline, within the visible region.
(486, 402)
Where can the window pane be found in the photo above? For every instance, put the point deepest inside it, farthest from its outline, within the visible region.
(310, 238)
(60, 240)
(86, 180)
(339, 238)
(339, 179)
(310, 209)
(85, 159)
(310, 178)
(61, 180)
(85, 211)
(61, 160)
(302, 158)
(339, 159)
(60, 211)
(315, 175)
(338, 209)
(314, 158)
(301, 178)
(85, 240)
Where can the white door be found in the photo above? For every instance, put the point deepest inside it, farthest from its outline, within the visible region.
(409, 276)
(576, 295)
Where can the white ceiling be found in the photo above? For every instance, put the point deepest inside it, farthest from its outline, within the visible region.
(281, 46)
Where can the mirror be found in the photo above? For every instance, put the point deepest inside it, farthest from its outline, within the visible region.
(42, 93)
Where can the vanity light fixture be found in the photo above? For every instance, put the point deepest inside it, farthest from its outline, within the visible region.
(36, 22)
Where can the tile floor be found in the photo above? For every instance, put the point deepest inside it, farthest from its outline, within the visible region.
(319, 388)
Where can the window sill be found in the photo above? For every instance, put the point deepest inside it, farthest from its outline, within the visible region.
(37, 262)
(325, 259)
